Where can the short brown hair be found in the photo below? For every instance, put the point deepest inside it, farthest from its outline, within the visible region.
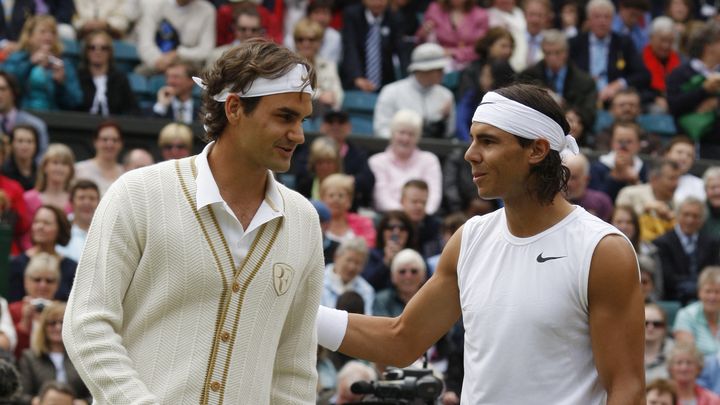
(83, 184)
(237, 69)
(55, 386)
(663, 386)
(63, 235)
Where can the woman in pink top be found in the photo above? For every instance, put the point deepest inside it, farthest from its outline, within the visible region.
(336, 191)
(685, 364)
(456, 25)
(55, 174)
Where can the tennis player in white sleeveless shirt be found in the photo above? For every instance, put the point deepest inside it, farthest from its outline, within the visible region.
(540, 327)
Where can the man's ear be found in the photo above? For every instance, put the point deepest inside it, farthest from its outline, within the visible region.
(539, 149)
(233, 109)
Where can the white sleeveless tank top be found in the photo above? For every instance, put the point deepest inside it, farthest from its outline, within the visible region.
(525, 309)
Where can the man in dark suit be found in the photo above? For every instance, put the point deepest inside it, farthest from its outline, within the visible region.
(571, 85)
(685, 250)
(11, 25)
(371, 35)
(175, 100)
(610, 58)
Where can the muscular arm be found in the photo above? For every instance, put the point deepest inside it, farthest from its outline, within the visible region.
(429, 315)
(616, 320)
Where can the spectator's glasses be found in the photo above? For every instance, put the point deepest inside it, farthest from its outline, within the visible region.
(103, 48)
(47, 280)
(414, 272)
(305, 39)
(249, 30)
(655, 324)
(54, 323)
(171, 146)
(395, 227)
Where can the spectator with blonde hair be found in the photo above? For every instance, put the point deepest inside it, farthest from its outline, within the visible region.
(49, 81)
(336, 191)
(46, 359)
(685, 364)
(175, 141)
(323, 160)
(698, 323)
(403, 161)
(657, 342)
(55, 174)
(352, 372)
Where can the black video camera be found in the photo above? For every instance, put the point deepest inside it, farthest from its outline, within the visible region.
(407, 386)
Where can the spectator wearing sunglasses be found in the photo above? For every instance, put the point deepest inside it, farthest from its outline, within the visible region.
(395, 232)
(657, 342)
(106, 90)
(175, 141)
(247, 25)
(407, 274)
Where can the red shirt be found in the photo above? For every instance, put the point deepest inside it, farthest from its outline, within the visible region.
(658, 69)
(272, 22)
(14, 192)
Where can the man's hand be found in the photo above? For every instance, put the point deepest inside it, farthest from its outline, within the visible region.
(450, 398)
(624, 169)
(610, 90)
(58, 69)
(712, 83)
(659, 209)
(364, 84)
(165, 95)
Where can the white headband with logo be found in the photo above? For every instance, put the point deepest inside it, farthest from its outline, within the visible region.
(291, 82)
(523, 121)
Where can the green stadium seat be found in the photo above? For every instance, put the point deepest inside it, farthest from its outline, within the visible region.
(126, 56)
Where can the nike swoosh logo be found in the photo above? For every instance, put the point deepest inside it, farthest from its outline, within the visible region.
(541, 259)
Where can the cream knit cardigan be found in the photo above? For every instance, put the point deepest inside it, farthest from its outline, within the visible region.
(157, 313)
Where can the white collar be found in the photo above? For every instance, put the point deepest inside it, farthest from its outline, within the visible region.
(371, 19)
(208, 192)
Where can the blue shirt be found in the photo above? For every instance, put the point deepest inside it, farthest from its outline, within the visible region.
(557, 80)
(639, 35)
(599, 52)
(692, 319)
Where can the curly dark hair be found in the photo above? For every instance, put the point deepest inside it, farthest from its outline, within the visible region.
(550, 176)
(237, 69)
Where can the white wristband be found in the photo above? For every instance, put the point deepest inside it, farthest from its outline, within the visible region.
(331, 325)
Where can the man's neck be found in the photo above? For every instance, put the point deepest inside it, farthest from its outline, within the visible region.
(183, 97)
(81, 223)
(526, 216)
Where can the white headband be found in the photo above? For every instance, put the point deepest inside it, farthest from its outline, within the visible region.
(523, 121)
(291, 82)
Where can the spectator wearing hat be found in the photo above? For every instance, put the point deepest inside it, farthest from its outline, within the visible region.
(372, 36)
(420, 92)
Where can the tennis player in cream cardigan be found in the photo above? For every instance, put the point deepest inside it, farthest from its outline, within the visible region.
(201, 277)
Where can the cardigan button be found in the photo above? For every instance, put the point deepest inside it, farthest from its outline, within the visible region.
(215, 386)
(236, 287)
(225, 336)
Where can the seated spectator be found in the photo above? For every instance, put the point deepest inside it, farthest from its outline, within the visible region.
(455, 25)
(570, 86)
(685, 365)
(403, 161)
(711, 179)
(328, 93)
(11, 23)
(84, 198)
(15, 212)
(137, 158)
(593, 201)
(420, 92)
(407, 274)
(657, 342)
(270, 23)
(653, 202)
(55, 174)
(11, 116)
(352, 372)
(625, 106)
(50, 228)
(459, 191)
(246, 26)
(182, 29)
(320, 11)
(660, 392)
(329, 245)
(8, 335)
(20, 164)
(582, 133)
(695, 323)
(660, 59)
(538, 17)
(682, 14)
(491, 75)
(413, 200)
(49, 82)
(610, 58)
(627, 221)
(395, 232)
(336, 192)
(46, 360)
(106, 90)
(507, 14)
(175, 141)
(450, 224)
(57, 393)
(103, 168)
(175, 100)
(344, 274)
(649, 272)
(693, 89)
(633, 20)
(497, 45)
(107, 16)
(622, 166)
(685, 250)
(322, 161)
(41, 279)
(681, 150)
(371, 39)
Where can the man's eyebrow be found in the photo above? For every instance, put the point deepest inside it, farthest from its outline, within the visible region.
(290, 111)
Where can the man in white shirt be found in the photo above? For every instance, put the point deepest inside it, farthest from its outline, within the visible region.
(84, 198)
(174, 100)
(201, 277)
(546, 290)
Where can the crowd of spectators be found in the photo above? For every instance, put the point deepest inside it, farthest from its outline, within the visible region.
(639, 82)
